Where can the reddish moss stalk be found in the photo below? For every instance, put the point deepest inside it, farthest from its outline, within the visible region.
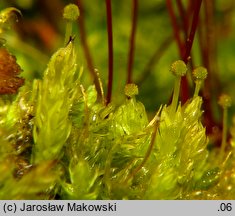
(184, 52)
(86, 49)
(175, 26)
(184, 84)
(183, 17)
(207, 43)
(110, 50)
(132, 40)
(194, 25)
(189, 43)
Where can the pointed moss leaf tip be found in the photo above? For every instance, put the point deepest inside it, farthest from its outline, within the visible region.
(71, 12)
(131, 90)
(7, 13)
(178, 68)
(200, 73)
(225, 101)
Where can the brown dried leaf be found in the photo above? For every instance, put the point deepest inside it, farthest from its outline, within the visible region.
(9, 69)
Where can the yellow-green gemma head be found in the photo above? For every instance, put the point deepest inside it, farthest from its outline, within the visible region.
(225, 101)
(71, 12)
(200, 73)
(178, 68)
(131, 90)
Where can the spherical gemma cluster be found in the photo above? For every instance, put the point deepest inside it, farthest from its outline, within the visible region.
(178, 68)
(225, 101)
(71, 12)
(200, 73)
(131, 90)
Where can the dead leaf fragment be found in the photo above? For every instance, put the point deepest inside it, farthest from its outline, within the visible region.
(9, 71)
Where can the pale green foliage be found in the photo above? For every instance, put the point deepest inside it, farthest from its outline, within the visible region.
(83, 178)
(106, 142)
(128, 128)
(92, 151)
(37, 184)
(56, 93)
(19, 179)
(131, 138)
(130, 118)
(180, 151)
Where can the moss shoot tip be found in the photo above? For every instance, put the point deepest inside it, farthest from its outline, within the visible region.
(131, 90)
(178, 68)
(71, 12)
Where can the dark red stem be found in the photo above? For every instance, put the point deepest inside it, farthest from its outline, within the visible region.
(183, 17)
(189, 43)
(184, 84)
(176, 29)
(110, 50)
(86, 49)
(132, 40)
(194, 25)
(212, 87)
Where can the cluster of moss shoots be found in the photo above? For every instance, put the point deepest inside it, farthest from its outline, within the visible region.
(59, 140)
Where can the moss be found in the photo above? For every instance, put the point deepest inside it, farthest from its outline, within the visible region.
(60, 140)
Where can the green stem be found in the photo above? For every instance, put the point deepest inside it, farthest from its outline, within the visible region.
(71, 14)
(179, 69)
(199, 75)
(197, 88)
(175, 99)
